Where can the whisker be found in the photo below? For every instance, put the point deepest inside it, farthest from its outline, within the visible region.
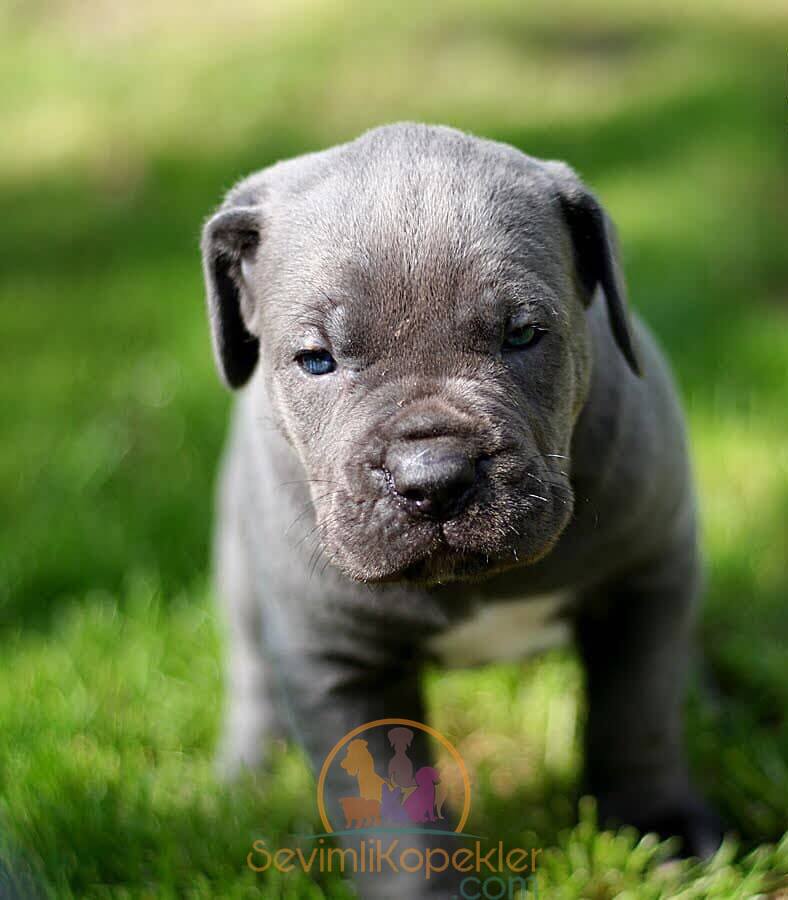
(307, 535)
(307, 481)
(314, 558)
(310, 503)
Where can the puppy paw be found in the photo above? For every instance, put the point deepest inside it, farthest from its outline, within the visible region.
(690, 819)
(698, 827)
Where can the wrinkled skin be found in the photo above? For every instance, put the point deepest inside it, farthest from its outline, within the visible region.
(409, 255)
(413, 308)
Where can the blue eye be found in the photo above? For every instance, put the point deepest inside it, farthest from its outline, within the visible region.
(518, 337)
(316, 362)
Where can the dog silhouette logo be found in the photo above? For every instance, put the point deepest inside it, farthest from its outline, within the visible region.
(358, 763)
(400, 775)
(393, 777)
(400, 765)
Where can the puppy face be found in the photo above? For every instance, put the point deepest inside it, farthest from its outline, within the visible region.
(415, 302)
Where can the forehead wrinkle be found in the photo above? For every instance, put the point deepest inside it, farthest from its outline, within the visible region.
(530, 292)
(418, 233)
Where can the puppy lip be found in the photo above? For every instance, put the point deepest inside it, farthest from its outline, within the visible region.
(436, 561)
(441, 561)
(421, 549)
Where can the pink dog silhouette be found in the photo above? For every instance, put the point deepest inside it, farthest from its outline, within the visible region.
(420, 805)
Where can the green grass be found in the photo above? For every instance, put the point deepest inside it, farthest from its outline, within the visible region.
(120, 132)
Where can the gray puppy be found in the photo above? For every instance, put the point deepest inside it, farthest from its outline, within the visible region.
(455, 443)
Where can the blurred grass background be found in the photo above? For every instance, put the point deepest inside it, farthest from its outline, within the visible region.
(122, 126)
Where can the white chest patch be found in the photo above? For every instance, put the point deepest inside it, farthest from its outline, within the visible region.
(504, 632)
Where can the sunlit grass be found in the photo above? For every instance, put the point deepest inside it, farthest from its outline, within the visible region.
(110, 785)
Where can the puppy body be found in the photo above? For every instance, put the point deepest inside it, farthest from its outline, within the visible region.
(407, 255)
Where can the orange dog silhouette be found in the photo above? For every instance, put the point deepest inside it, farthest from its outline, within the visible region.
(359, 763)
(360, 812)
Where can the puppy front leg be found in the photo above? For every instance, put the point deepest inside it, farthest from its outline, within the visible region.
(328, 700)
(635, 640)
(252, 716)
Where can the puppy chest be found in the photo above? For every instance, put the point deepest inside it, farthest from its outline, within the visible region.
(504, 632)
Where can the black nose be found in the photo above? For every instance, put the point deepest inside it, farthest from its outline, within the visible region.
(431, 476)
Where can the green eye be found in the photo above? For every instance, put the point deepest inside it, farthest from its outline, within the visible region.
(518, 337)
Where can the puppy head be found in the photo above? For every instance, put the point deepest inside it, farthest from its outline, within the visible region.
(414, 304)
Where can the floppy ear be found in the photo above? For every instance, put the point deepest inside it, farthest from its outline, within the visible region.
(229, 242)
(596, 255)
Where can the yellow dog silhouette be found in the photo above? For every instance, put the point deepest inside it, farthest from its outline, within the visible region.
(359, 763)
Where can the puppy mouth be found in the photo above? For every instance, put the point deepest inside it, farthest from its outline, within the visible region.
(375, 538)
(442, 563)
(442, 566)
(441, 560)
(434, 564)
